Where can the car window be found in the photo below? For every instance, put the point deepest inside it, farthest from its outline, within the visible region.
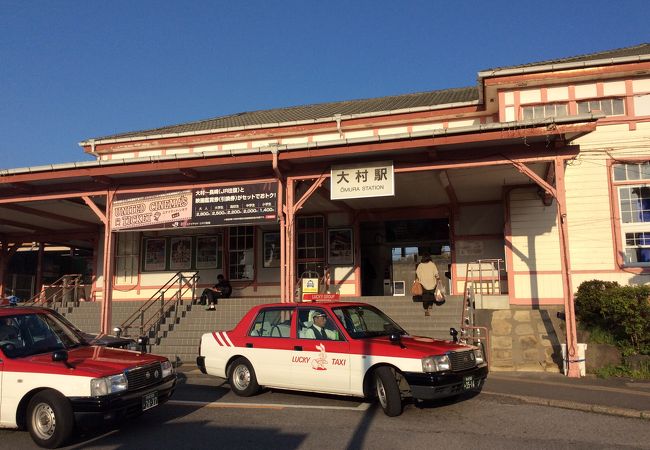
(35, 333)
(366, 321)
(272, 322)
(316, 323)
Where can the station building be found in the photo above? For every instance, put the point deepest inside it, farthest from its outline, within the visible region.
(523, 186)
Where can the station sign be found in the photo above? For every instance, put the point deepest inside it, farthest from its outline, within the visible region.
(241, 204)
(371, 179)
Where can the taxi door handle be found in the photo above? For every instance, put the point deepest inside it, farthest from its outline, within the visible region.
(298, 348)
(249, 345)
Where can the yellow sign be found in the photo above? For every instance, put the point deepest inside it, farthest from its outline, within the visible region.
(309, 286)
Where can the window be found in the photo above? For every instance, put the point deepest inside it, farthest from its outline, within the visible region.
(240, 253)
(274, 322)
(310, 248)
(315, 323)
(127, 253)
(542, 111)
(609, 106)
(634, 206)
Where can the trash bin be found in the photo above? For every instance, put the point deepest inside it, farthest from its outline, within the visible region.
(581, 360)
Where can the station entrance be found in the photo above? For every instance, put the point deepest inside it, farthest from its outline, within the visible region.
(391, 249)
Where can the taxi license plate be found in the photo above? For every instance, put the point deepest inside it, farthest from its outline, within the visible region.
(149, 400)
(469, 383)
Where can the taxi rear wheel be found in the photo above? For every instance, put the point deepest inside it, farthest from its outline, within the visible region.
(387, 391)
(242, 378)
(49, 419)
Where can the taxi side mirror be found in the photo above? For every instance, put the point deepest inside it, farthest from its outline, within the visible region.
(62, 356)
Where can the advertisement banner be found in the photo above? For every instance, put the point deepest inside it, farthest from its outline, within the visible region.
(154, 211)
(243, 204)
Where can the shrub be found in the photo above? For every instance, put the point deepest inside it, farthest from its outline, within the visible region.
(622, 311)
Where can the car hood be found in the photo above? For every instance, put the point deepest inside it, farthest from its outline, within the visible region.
(98, 361)
(108, 340)
(414, 346)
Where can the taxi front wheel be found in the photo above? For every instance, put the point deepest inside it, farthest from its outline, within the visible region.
(388, 392)
(242, 378)
(49, 419)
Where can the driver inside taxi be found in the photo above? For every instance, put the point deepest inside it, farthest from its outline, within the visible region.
(318, 328)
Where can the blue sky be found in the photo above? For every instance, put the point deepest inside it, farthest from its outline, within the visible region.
(72, 70)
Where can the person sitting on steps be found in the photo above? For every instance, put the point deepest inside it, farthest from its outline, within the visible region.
(211, 295)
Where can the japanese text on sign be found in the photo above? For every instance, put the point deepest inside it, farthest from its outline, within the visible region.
(375, 179)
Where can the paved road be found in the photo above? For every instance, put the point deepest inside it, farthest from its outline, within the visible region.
(205, 414)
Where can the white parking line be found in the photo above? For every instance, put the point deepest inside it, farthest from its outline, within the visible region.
(361, 407)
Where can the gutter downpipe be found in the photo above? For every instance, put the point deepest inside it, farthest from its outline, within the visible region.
(281, 214)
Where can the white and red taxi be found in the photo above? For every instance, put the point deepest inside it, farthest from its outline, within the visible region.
(52, 380)
(338, 348)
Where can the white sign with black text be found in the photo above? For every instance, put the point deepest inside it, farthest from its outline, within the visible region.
(373, 179)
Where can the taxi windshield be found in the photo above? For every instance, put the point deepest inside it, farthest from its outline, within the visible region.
(31, 334)
(366, 321)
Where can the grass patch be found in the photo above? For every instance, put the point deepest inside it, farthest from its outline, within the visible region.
(612, 371)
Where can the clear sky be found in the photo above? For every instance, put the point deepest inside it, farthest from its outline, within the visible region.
(72, 70)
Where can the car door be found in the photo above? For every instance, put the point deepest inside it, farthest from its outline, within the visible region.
(319, 365)
(269, 346)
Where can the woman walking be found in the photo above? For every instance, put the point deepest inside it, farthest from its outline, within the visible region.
(427, 274)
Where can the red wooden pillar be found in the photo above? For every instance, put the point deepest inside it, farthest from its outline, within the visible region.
(107, 299)
(289, 240)
(569, 307)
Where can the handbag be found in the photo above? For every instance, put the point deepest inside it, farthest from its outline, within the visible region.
(417, 288)
(438, 294)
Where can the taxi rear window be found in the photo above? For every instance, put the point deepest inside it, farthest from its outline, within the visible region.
(272, 322)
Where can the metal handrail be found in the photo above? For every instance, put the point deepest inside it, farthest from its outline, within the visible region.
(66, 284)
(469, 332)
(491, 284)
(181, 284)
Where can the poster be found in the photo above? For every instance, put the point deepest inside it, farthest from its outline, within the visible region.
(181, 253)
(155, 254)
(339, 244)
(207, 251)
(271, 249)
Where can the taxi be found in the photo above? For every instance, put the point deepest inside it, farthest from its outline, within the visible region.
(52, 379)
(340, 348)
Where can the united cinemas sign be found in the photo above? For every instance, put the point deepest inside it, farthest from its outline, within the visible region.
(153, 211)
(225, 205)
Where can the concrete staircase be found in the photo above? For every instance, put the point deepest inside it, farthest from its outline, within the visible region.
(411, 316)
(179, 335)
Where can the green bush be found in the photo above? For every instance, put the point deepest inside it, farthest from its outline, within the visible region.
(621, 311)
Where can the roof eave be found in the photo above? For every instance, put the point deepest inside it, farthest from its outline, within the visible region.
(562, 66)
(481, 128)
(95, 142)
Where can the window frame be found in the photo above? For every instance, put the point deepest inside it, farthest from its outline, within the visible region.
(235, 256)
(621, 181)
(523, 108)
(600, 100)
(306, 233)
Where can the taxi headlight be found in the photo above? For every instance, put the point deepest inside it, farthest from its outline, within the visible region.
(478, 355)
(108, 385)
(167, 368)
(436, 363)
